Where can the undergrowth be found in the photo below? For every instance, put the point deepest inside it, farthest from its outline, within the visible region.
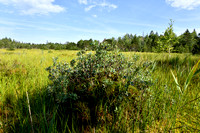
(102, 91)
(95, 88)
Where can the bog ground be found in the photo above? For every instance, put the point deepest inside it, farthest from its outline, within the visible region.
(168, 105)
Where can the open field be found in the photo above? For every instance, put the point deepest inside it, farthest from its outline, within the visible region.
(23, 71)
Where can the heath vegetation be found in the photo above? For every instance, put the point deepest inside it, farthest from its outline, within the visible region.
(102, 87)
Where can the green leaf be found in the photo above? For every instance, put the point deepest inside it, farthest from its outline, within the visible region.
(176, 81)
(193, 72)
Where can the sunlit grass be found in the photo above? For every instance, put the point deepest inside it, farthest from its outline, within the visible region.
(23, 70)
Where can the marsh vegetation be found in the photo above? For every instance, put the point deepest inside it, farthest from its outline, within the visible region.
(101, 91)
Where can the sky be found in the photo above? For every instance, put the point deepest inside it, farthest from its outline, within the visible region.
(41, 21)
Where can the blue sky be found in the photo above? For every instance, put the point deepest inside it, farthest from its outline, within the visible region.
(39, 21)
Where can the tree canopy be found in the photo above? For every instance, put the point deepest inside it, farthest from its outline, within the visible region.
(188, 42)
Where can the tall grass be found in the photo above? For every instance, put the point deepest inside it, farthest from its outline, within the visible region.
(23, 71)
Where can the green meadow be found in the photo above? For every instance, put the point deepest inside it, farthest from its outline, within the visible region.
(172, 105)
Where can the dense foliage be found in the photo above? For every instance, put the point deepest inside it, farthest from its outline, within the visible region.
(188, 42)
(95, 88)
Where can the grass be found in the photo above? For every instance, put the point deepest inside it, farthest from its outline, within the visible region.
(23, 72)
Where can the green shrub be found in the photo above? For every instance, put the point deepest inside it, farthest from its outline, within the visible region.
(11, 49)
(98, 89)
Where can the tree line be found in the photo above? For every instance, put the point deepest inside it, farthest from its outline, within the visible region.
(188, 42)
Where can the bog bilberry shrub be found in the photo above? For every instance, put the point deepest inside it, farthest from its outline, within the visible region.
(94, 86)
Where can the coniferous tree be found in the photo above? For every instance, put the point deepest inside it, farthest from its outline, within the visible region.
(196, 48)
(167, 41)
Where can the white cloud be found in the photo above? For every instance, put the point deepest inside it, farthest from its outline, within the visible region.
(89, 7)
(31, 7)
(111, 6)
(184, 4)
(102, 4)
(95, 16)
(83, 2)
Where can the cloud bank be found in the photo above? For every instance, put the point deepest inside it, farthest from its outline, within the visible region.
(184, 4)
(30, 7)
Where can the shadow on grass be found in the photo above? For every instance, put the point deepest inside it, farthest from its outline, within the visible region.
(46, 114)
(16, 116)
